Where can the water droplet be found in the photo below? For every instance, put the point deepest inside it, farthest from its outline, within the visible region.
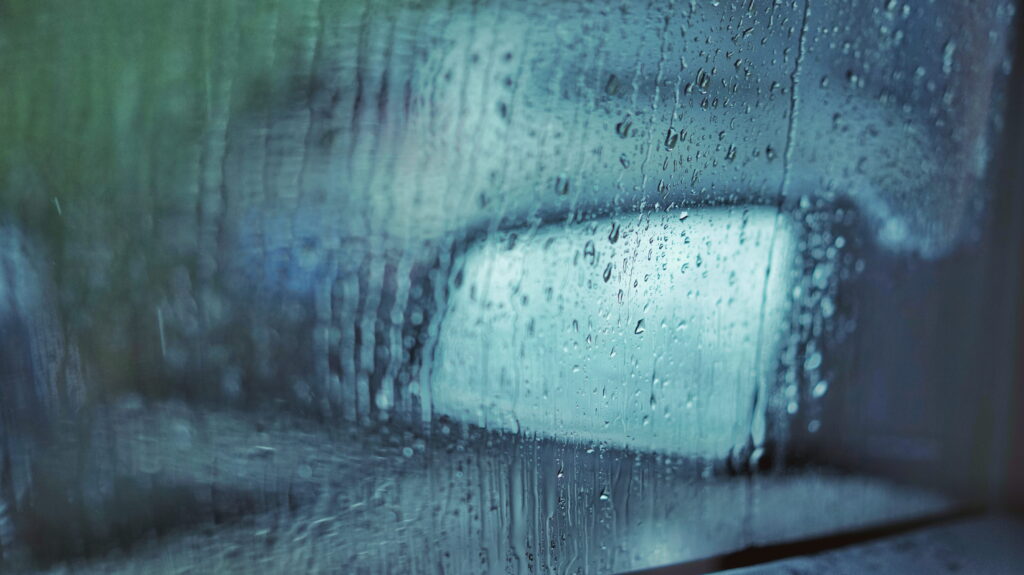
(603, 496)
(590, 252)
(820, 389)
(613, 235)
(813, 362)
(948, 52)
(639, 329)
(683, 216)
(562, 186)
(607, 275)
(703, 79)
(623, 127)
(671, 139)
(828, 309)
(612, 86)
(407, 451)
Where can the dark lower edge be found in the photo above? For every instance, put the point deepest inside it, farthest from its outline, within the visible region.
(756, 555)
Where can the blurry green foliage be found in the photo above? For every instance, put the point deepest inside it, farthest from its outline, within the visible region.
(109, 109)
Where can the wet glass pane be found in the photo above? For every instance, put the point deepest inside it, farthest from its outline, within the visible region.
(520, 287)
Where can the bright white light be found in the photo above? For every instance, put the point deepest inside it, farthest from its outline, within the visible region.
(656, 341)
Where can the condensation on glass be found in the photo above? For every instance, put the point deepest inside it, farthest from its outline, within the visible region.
(519, 287)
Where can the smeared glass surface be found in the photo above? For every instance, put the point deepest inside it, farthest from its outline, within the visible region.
(487, 287)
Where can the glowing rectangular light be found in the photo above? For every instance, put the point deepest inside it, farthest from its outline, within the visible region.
(648, 331)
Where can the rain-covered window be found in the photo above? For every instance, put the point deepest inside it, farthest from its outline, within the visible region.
(496, 287)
